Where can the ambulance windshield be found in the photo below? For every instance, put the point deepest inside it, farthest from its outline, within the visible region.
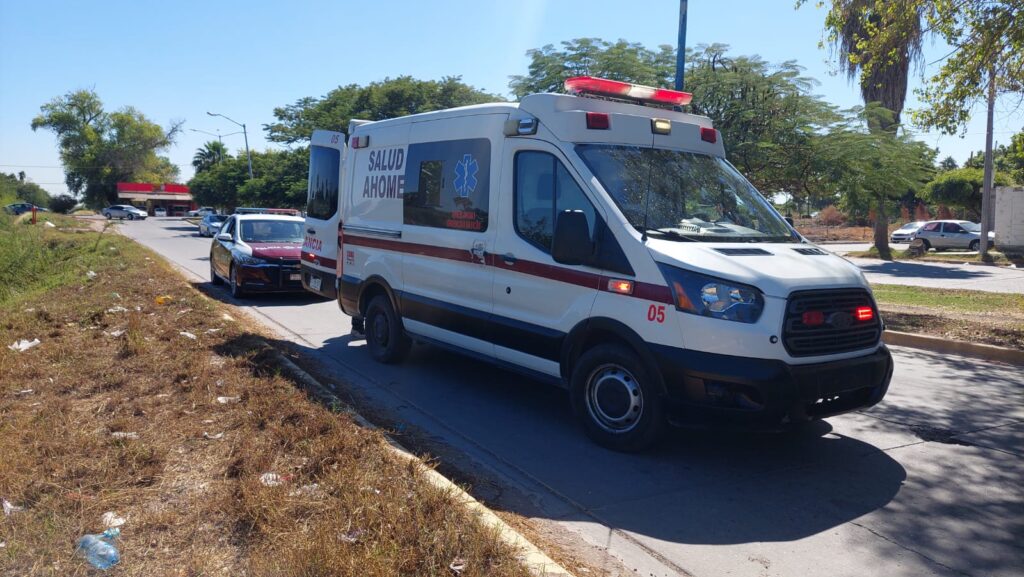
(683, 195)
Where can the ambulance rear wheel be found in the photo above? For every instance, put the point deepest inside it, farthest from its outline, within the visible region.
(616, 398)
(385, 336)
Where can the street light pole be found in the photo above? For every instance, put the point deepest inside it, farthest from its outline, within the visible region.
(244, 134)
(218, 135)
(681, 46)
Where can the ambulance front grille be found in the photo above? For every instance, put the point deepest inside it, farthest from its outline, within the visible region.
(840, 333)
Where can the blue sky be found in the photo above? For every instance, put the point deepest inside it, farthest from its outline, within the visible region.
(177, 60)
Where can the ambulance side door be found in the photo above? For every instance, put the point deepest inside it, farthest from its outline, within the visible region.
(447, 232)
(536, 300)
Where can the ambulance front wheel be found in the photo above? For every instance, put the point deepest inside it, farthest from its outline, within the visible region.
(615, 397)
(385, 336)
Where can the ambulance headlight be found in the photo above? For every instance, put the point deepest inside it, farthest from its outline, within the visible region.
(707, 296)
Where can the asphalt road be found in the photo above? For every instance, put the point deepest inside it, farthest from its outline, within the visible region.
(933, 274)
(929, 482)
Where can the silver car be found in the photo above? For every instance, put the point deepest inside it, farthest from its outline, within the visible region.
(124, 211)
(906, 232)
(944, 234)
(211, 223)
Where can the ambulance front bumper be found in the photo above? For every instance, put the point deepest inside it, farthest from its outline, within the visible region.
(707, 389)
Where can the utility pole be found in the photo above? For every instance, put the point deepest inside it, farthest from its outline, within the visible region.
(681, 47)
(986, 191)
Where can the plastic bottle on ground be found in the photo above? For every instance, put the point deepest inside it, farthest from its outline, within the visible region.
(99, 550)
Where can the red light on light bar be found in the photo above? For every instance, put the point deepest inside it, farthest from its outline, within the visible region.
(864, 313)
(603, 86)
(813, 318)
(709, 135)
(623, 287)
(598, 121)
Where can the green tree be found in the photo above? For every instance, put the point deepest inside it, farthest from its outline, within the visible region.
(1015, 158)
(961, 188)
(63, 203)
(281, 180)
(377, 101)
(621, 60)
(881, 68)
(211, 153)
(769, 119)
(100, 149)
(947, 164)
(874, 169)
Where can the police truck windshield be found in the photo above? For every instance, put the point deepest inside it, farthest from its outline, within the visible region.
(683, 195)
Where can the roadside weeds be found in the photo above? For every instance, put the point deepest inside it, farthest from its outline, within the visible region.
(123, 415)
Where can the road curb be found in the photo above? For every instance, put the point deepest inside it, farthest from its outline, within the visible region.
(942, 345)
(535, 560)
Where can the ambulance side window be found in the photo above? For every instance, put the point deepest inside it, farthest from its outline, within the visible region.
(324, 165)
(447, 184)
(544, 188)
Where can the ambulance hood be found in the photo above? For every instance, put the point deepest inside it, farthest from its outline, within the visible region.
(777, 269)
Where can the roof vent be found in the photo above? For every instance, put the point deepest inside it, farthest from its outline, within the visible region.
(810, 251)
(743, 251)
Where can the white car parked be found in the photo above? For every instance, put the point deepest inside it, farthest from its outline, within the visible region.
(947, 234)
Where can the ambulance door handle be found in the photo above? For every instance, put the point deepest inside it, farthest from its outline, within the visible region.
(509, 258)
(311, 230)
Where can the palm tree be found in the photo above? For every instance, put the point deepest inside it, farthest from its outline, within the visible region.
(882, 73)
(210, 154)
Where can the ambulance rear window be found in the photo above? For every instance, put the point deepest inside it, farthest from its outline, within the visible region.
(324, 163)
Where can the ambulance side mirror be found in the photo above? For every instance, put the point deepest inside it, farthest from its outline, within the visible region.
(572, 243)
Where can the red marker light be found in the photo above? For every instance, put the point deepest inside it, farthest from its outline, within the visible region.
(598, 121)
(813, 318)
(605, 87)
(623, 287)
(708, 135)
(864, 313)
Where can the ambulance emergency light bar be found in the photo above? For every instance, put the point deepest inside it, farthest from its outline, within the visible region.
(583, 85)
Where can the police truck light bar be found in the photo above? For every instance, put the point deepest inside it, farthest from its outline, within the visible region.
(615, 88)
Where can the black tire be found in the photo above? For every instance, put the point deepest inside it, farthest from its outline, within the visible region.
(131, 216)
(214, 279)
(107, 214)
(975, 245)
(617, 399)
(236, 289)
(927, 245)
(385, 336)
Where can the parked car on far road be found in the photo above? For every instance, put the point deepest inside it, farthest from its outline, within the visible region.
(124, 211)
(159, 211)
(21, 208)
(905, 232)
(211, 223)
(944, 234)
(202, 211)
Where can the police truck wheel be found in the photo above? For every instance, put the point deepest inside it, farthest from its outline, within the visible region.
(214, 279)
(236, 288)
(616, 398)
(385, 336)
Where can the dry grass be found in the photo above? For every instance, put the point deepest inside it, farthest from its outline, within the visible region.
(194, 500)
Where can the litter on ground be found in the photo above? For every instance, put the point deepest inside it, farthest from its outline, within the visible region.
(111, 519)
(187, 335)
(124, 435)
(23, 345)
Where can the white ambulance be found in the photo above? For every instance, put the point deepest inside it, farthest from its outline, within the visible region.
(598, 240)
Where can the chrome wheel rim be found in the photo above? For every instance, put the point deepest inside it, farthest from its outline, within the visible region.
(614, 398)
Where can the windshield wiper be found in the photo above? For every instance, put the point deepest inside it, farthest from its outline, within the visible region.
(672, 233)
